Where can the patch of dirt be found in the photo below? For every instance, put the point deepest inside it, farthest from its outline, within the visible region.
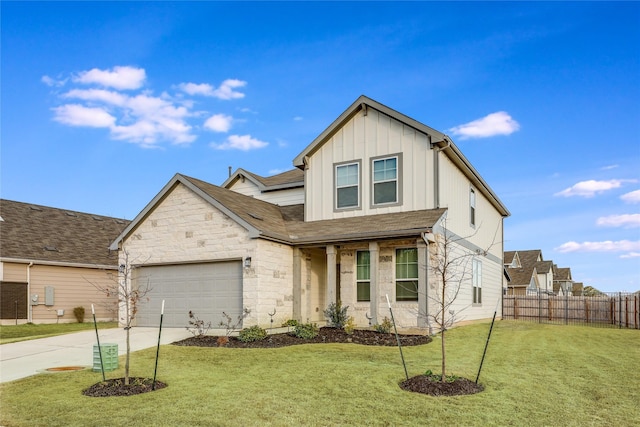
(427, 384)
(116, 387)
(326, 335)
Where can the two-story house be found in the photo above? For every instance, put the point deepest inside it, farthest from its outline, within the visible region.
(361, 218)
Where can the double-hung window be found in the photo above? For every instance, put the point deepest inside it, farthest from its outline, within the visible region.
(347, 181)
(363, 275)
(477, 281)
(407, 274)
(385, 172)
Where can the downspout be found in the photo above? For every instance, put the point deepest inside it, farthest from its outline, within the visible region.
(29, 306)
(425, 237)
(436, 172)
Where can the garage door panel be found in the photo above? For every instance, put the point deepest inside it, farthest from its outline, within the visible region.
(207, 289)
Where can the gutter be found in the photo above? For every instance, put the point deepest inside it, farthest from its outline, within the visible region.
(428, 238)
(436, 171)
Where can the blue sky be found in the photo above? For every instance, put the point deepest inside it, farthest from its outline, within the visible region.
(102, 103)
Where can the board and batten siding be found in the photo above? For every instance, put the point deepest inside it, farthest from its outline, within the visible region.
(361, 139)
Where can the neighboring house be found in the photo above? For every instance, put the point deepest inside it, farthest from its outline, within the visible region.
(562, 281)
(50, 260)
(577, 289)
(530, 273)
(360, 218)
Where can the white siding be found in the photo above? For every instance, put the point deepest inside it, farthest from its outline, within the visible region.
(285, 197)
(363, 138)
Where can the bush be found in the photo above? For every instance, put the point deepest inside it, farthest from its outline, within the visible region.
(306, 331)
(350, 326)
(78, 312)
(385, 327)
(196, 326)
(290, 323)
(253, 333)
(336, 314)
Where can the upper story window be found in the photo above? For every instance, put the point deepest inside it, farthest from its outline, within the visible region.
(472, 207)
(347, 183)
(363, 275)
(385, 180)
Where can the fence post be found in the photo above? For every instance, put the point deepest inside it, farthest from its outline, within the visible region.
(586, 309)
(566, 309)
(620, 309)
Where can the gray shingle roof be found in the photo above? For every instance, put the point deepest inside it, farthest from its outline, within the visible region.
(40, 233)
(287, 222)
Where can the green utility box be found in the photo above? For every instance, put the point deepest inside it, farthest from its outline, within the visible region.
(109, 357)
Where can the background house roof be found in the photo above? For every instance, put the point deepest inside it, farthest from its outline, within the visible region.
(290, 179)
(521, 277)
(39, 233)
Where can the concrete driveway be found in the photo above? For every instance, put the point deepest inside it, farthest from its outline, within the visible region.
(26, 358)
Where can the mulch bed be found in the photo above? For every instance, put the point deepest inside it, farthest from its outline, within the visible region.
(116, 387)
(418, 384)
(434, 387)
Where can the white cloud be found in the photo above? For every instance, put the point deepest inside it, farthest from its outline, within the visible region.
(297, 119)
(49, 81)
(102, 95)
(609, 167)
(219, 123)
(606, 246)
(240, 142)
(625, 220)
(592, 187)
(632, 197)
(79, 115)
(631, 255)
(499, 123)
(225, 91)
(120, 77)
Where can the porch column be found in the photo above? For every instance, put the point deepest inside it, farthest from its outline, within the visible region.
(423, 296)
(374, 258)
(331, 274)
(297, 285)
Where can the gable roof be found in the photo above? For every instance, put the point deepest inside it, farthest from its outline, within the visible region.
(293, 178)
(509, 256)
(561, 273)
(286, 223)
(31, 232)
(438, 138)
(544, 267)
(521, 277)
(530, 257)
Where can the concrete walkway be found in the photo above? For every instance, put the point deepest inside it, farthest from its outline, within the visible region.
(26, 358)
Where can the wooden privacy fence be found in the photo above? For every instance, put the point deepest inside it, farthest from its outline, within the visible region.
(621, 310)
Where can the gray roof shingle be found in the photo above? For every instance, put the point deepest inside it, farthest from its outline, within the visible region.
(41, 233)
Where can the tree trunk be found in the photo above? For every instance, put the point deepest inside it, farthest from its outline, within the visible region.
(126, 363)
(443, 357)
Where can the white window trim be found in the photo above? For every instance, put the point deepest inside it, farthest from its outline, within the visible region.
(473, 211)
(476, 281)
(395, 273)
(398, 157)
(363, 281)
(335, 186)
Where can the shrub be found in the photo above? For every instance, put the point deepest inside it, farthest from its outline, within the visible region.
(196, 326)
(306, 331)
(229, 325)
(78, 312)
(253, 333)
(350, 326)
(290, 323)
(384, 327)
(336, 314)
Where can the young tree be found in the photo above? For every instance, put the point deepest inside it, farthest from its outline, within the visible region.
(451, 265)
(129, 299)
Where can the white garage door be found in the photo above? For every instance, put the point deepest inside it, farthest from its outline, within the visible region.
(207, 289)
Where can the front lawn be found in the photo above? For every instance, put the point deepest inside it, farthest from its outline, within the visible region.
(534, 375)
(30, 331)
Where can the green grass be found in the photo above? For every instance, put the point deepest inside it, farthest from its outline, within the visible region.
(30, 331)
(534, 375)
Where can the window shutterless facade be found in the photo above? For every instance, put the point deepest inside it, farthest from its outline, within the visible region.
(385, 180)
(347, 185)
(477, 281)
(407, 274)
(472, 207)
(363, 275)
